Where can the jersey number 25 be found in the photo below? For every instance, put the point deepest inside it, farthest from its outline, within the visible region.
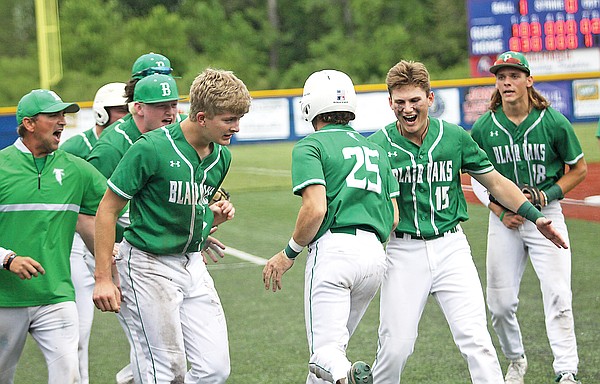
(363, 157)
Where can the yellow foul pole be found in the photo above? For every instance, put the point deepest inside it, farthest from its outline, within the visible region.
(48, 38)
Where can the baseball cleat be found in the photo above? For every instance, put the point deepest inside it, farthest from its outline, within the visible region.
(567, 377)
(516, 371)
(360, 373)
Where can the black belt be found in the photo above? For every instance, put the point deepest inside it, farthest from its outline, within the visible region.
(415, 237)
(352, 231)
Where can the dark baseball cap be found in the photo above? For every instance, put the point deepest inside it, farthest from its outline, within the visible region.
(42, 101)
(511, 59)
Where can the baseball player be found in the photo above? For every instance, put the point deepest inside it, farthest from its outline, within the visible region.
(348, 211)
(44, 194)
(109, 105)
(530, 143)
(428, 253)
(174, 308)
(154, 104)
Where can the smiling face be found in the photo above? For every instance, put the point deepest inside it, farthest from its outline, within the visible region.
(512, 84)
(411, 104)
(43, 132)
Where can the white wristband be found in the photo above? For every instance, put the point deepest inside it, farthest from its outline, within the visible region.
(295, 246)
(3, 253)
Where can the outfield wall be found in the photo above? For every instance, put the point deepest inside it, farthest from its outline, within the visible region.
(275, 115)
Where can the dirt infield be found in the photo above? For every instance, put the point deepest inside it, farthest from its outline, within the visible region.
(573, 204)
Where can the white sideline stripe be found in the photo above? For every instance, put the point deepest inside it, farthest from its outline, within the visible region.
(264, 171)
(566, 200)
(245, 256)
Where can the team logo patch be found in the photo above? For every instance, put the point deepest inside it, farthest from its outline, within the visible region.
(58, 173)
(340, 95)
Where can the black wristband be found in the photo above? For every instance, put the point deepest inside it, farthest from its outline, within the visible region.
(9, 261)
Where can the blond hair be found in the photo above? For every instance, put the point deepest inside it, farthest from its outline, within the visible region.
(408, 73)
(216, 92)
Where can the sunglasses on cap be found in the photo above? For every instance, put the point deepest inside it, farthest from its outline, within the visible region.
(509, 60)
(153, 70)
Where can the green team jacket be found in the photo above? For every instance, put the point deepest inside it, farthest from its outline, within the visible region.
(533, 153)
(38, 214)
(169, 188)
(431, 199)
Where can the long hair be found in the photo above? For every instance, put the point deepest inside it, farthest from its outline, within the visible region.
(535, 99)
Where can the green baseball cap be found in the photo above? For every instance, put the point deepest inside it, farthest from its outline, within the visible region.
(511, 59)
(149, 64)
(42, 101)
(155, 88)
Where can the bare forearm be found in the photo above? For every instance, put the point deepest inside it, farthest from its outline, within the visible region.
(85, 228)
(504, 190)
(307, 225)
(103, 243)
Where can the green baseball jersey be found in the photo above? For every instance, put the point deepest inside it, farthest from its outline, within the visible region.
(169, 188)
(81, 144)
(532, 153)
(112, 145)
(431, 199)
(38, 214)
(357, 177)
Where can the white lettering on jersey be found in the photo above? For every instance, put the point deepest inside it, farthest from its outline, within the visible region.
(507, 154)
(440, 171)
(58, 173)
(409, 174)
(186, 193)
(534, 151)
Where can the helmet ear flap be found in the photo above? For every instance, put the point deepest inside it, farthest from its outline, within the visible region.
(109, 95)
(101, 115)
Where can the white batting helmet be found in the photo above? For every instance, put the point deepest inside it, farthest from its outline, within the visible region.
(327, 91)
(109, 95)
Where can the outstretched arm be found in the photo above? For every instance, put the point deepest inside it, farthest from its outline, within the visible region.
(509, 195)
(310, 217)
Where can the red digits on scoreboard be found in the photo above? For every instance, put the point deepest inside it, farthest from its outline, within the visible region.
(571, 6)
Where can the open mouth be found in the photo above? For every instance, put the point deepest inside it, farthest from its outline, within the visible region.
(411, 118)
(167, 121)
(57, 134)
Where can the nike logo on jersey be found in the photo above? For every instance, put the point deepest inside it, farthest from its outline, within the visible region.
(173, 163)
(186, 193)
(58, 173)
(438, 171)
(508, 154)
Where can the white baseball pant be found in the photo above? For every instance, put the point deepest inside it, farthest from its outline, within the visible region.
(343, 273)
(444, 268)
(176, 314)
(83, 281)
(54, 327)
(507, 254)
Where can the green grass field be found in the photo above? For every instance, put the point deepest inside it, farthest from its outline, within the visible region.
(266, 329)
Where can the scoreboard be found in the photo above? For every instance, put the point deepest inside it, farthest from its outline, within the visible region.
(532, 26)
